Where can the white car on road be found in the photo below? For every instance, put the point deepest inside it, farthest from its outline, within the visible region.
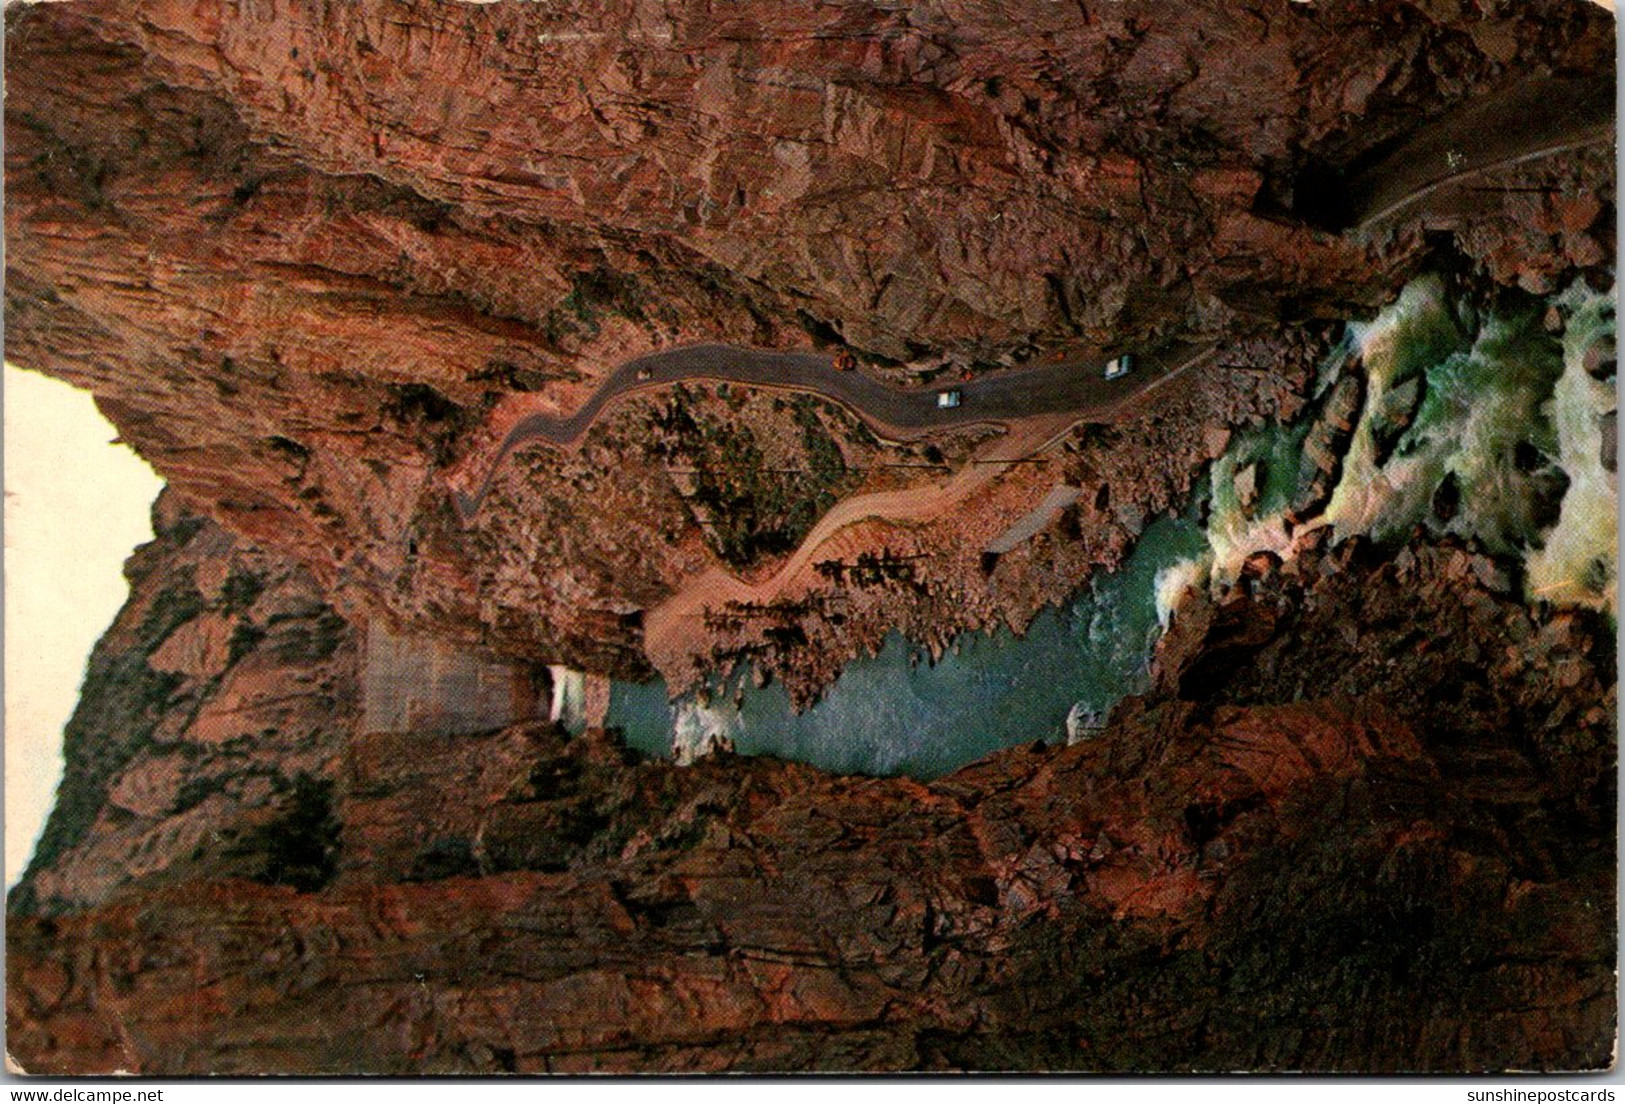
(1119, 366)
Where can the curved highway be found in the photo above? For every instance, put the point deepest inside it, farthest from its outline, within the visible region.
(1536, 119)
(1037, 404)
(1076, 388)
(1539, 118)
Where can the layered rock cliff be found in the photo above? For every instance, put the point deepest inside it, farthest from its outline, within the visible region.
(323, 266)
(316, 263)
(225, 690)
(1286, 856)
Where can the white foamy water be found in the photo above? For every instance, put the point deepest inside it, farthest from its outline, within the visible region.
(1176, 582)
(1506, 414)
(1579, 562)
(701, 729)
(569, 706)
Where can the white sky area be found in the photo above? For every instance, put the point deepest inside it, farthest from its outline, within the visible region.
(76, 506)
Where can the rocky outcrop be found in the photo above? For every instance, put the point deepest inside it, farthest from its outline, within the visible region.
(403, 223)
(317, 266)
(1286, 856)
(220, 700)
(1325, 444)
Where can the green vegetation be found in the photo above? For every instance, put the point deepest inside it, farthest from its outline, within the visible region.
(824, 458)
(244, 639)
(593, 294)
(121, 702)
(316, 636)
(193, 792)
(418, 402)
(120, 705)
(870, 569)
(447, 857)
(183, 529)
(174, 607)
(440, 421)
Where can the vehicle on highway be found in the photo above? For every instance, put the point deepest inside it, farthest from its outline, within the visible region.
(845, 361)
(1119, 366)
(646, 374)
(950, 398)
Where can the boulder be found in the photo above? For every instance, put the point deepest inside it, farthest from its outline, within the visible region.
(1246, 487)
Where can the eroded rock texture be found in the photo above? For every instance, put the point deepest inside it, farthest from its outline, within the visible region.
(311, 260)
(225, 690)
(1285, 856)
(316, 264)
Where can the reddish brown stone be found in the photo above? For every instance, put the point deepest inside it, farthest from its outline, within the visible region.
(1288, 822)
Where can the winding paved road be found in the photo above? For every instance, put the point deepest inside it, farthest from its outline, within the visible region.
(1075, 388)
(1537, 119)
(668, 627)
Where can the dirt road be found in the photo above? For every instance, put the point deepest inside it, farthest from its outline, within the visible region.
(1036, 405)
(1076, 389)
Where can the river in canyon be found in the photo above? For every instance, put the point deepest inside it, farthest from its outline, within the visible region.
(1485, 423)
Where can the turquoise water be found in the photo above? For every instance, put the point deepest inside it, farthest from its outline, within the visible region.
(1508, 422)
(1497, 385)
(898, 713)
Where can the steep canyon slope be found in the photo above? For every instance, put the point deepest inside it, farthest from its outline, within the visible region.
(315, 263)
(1285, 856)
(323, 263)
